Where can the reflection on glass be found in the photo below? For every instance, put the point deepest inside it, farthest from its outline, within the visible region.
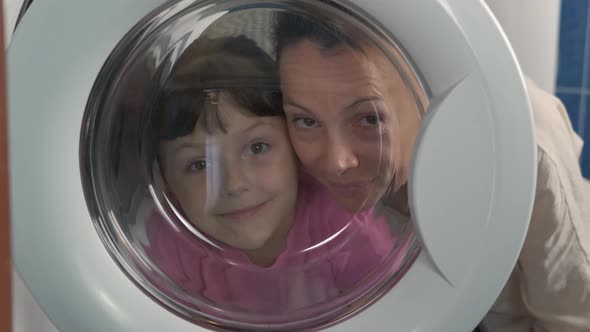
(256, 177)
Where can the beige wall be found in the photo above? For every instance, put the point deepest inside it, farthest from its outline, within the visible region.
(532, 27)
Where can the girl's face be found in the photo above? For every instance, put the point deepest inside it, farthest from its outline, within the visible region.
(237, 184)
(344, 111)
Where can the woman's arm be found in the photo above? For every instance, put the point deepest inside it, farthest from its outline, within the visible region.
(555, 261)
(550, 286)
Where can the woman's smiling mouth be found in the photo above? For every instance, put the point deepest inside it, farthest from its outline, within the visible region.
(351, 188)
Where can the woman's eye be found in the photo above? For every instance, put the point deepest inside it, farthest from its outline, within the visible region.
(197, 166)
(370, 120)
(257, 148)
(305, 122)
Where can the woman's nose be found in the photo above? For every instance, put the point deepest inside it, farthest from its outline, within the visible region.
(339, 157)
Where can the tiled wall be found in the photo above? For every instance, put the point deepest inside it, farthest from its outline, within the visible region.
(573, 77)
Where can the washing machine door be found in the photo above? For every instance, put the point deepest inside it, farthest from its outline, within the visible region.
(98, 235)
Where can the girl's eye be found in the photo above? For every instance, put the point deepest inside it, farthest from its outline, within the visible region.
(370, 120)
(257, 148)
(197, 166)
(305, 123)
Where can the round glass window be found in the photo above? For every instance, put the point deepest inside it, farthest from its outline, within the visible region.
(246, 162)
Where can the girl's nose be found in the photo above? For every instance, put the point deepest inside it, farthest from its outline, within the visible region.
(234, 181)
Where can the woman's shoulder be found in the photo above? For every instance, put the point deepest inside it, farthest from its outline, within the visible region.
(554, 131)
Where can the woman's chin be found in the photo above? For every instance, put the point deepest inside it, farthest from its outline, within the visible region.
(354, 201)
(352, 205)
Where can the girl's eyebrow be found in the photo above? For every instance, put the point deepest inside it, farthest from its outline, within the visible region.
(190, 145)
(203, 146)
(256, 125)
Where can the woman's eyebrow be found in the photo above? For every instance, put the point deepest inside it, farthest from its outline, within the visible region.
(288, 102)
(361, 101)
(352, 105)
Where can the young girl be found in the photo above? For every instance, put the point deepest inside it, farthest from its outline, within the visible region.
(274, 239)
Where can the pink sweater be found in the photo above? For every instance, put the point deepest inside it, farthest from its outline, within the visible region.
(299, 277)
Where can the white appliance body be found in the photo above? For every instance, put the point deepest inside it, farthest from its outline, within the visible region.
(472, 76)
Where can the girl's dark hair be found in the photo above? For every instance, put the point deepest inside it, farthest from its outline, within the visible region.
(233, 66)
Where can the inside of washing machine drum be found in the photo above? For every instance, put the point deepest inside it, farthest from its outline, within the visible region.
(235, 203)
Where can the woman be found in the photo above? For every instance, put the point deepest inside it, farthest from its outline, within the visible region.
(353, 123)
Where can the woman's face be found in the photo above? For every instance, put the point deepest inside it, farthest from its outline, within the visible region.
(351, 119)
(238, 185)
